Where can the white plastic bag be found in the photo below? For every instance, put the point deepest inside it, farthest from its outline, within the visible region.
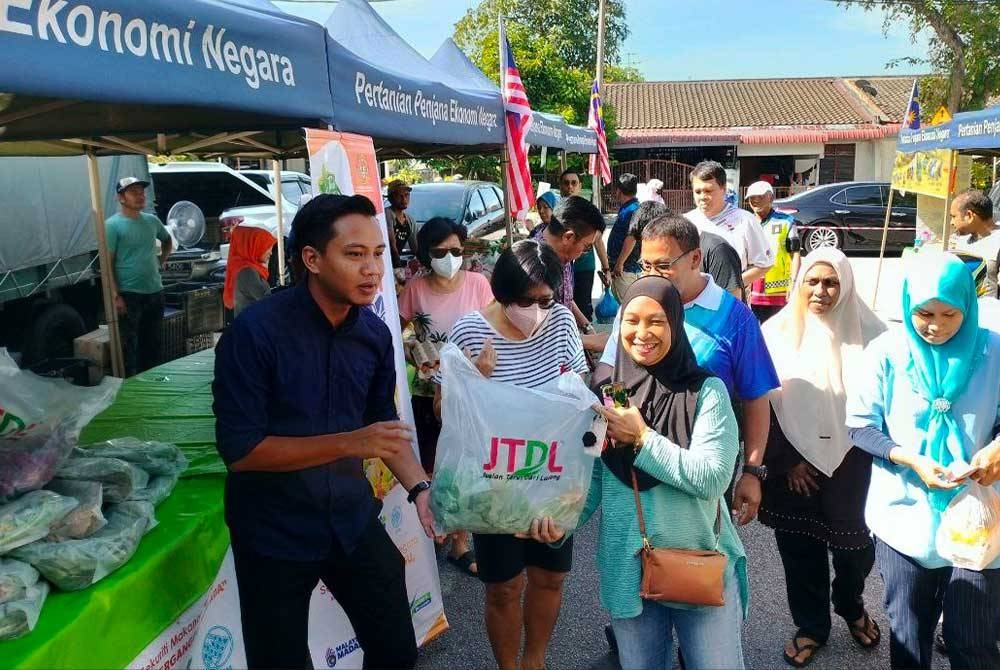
(16, 577)
(156, 458)
(508, 454)
(969, 534)
(40, 422)
(18, 617)
(120, 478)
(31, 517)
(87, 518)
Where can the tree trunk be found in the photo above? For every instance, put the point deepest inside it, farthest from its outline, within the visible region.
(947, 34)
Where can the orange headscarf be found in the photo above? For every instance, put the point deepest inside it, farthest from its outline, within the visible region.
(247, 247)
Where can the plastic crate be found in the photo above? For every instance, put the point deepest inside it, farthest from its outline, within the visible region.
(197, 343)
(201, 304)
(172, 334)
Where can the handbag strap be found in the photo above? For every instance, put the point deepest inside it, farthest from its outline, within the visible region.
(642, 519)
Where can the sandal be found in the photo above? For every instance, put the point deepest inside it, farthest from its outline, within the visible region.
(464, 563)
(869, 629)
(812, 646)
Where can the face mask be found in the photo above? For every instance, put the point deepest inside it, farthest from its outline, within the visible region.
(448, 266)
(526, 319)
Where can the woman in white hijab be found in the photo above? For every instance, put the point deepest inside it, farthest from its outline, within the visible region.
(814, 494)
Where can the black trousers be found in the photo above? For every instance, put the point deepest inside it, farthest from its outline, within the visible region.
(141, 331)
(915, 597)
(807, 580)
(369, 583)
(583, 289)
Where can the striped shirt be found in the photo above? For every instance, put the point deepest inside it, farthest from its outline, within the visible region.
(555, 348)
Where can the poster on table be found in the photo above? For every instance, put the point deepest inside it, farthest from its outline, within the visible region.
(208, 635)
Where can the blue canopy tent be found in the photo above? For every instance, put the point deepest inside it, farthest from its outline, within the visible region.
(159, 77)
(967, 132)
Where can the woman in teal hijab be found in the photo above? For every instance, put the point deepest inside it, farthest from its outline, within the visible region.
(927, 407)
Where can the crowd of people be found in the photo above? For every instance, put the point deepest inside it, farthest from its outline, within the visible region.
(758, 383)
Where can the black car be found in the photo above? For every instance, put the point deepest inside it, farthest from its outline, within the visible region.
(851, 215)
(477, 204)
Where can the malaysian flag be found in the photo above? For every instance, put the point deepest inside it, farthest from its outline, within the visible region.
(912, 118)
(599, 164)
(518, 120)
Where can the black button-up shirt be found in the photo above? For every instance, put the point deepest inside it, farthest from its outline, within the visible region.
(282, 369)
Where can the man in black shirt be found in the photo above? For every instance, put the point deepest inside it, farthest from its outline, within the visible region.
(304, 390)
(720, 259)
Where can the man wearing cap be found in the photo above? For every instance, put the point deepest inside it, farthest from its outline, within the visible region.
(402, 229)
(134, 274)
(768, 294)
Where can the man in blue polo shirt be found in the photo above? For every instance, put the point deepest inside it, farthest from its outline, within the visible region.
(625, 267)
(304, 390)
(726, 339)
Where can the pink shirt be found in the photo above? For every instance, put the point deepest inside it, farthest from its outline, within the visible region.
(433, 314)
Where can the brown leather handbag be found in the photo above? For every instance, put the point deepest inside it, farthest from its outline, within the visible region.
(688, 576)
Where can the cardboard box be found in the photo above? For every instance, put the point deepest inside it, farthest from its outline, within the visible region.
(95, 346)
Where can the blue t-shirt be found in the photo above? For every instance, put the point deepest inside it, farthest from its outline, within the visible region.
(618, 234)
(133, 243)
(726, 339)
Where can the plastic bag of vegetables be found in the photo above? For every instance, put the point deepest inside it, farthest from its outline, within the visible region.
(969, 534)
(30, 517)
(72, 565)
(496, 470)
(156, 458)
(119, 478)
(158, 489)
(87, 518)
(16, 577)
(40, 422)
(18, 617)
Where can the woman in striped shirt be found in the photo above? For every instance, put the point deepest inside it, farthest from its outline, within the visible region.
(524, 338)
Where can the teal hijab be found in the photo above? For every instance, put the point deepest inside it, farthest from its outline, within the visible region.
(940, 373)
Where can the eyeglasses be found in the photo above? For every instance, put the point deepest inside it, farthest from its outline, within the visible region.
(662, 267)
(544, 303)
(441, 253)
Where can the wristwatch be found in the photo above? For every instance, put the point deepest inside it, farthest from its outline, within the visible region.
(758, 471)
(417, 489)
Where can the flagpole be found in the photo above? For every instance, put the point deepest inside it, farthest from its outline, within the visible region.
(600, 86)
(505, 153)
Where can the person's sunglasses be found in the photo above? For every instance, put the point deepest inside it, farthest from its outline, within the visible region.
(544, 303)
(441, 253)
(662, 267)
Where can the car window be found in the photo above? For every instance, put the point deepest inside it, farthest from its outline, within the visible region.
(261, 180)
(490, 199)
(864, 195)
(905, 200)
(213, 192)
(291, 190)
(305, 186)
(476, 207)
(840, 197)
(426, 203)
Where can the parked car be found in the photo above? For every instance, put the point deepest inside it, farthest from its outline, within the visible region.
(851, 215)
(477, 204)
(293, 184)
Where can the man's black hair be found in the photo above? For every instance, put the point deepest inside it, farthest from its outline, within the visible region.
(524, 265)
(627, 183)
(975, 201)
(313, 223)
(674, 226)
(433, 233)
(578, 215)
(570, 171)
(646, 212)
(710, 171)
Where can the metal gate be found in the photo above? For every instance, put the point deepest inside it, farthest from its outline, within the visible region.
(675, 177)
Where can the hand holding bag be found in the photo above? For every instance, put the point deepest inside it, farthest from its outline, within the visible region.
(687, 576)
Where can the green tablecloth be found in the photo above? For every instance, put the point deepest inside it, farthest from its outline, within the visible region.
(112, 622)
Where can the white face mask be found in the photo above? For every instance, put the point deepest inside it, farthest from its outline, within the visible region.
(526, 319)
(448, 266)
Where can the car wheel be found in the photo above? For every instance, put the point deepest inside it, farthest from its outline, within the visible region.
(822, 236)
(51, 334)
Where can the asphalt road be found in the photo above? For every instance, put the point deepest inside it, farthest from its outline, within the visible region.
(579, 641)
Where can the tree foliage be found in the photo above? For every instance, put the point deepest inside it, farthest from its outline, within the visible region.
(964, 46)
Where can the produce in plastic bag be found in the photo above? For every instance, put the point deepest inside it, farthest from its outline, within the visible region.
(120, 478)
(40, 423)
(16, 577)
(18, 617)
(496, 471)
(607, 308)
(969, 534)
(156, 458)
(30, 517)
(158, 489)
(87, 518)
(72, 565)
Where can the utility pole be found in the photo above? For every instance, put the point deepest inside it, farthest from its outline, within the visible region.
(600, 85)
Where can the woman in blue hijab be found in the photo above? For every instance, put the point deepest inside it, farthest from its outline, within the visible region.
(928, 409)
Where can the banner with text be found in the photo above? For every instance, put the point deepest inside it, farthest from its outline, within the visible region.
(925, 172)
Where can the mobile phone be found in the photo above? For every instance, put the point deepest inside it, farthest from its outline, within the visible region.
(615, 395)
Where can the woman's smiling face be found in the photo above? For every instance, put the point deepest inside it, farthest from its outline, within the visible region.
(646, 334)
(821, 288)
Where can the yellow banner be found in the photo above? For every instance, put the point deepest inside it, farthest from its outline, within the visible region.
(927, 172)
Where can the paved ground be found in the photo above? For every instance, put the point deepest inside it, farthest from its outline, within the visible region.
(579, 641)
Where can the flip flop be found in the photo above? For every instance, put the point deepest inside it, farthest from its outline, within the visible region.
(812, 647)
(464, 562)
(867, 624)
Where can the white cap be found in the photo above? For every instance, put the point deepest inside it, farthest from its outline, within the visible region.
(129, 181)
(759, 188)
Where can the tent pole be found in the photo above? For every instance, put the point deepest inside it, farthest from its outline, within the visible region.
(111, 313)
(281, 221)
(562, 161)
(946, 223)
(881, 253)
